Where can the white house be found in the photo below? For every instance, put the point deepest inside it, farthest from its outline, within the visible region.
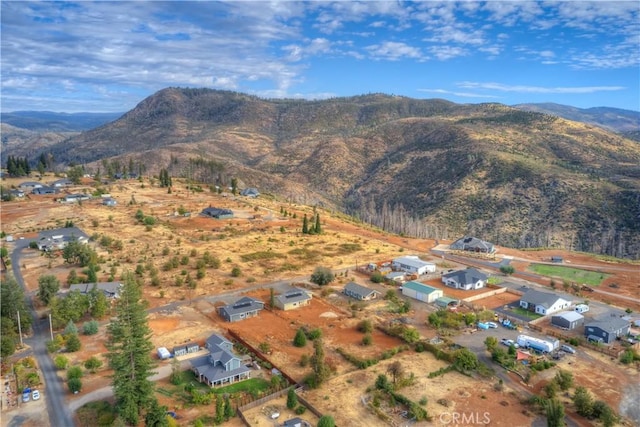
(413, 264)
(467, 279)
(542, 302)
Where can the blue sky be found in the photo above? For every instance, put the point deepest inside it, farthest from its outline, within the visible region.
(108, 56)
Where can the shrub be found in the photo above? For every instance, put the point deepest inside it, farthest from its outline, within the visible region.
(61, 362)
(300, 410)
(292, 398)
(365, 326)
(236, 272)
(367, 339)
(90, 328)
(73, 343)
(300, 340)
(74, 372)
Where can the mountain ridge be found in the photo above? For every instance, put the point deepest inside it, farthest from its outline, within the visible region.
(422, 167)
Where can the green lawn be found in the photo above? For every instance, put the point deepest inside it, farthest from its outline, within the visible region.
(251, 386)
(526, 313)
(570, 274)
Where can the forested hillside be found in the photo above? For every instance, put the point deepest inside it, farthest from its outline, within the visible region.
(422, 167)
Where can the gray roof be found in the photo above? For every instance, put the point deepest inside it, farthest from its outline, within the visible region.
(216, 340)
(294, 295)
(609, 323)
(215, 372)
(570, 316)
(243, 305)
(111, 288)
(544, 299)
(469, 275)
(357, 289)
(412, 261)
(472, 243)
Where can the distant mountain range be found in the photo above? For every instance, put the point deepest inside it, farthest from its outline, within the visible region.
(421, 167)
(48, 121)
(615, 119)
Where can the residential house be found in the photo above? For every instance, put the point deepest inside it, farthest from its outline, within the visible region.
(45, 190)
(567, 320)
(244, 308)
(183, 350)
(110, 289)
(60, 237)
(292, 299)
(359, 292)
(29, 185)
(76, 198)
(296, 422)
(421, 292)
(473, 244)
(543, 302)
(217, 213)
(606, 329)
(250, 192)
(467, 279)
(413, 264)
(64, 182)
(222, 366)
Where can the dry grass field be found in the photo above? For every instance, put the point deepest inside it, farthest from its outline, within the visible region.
(264, 244)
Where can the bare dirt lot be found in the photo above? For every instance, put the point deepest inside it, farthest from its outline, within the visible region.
(264, 244)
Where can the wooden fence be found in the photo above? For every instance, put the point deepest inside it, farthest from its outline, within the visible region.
(260, 355)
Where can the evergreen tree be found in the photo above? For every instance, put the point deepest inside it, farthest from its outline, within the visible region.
(130, 347)
(219, 417)
(156, 415)
(229, 412)
(12, 301)
(292, 399)
(317, 227)
(318, 363)
(98, 303)
(48, 287)
(272, 298)
(300, 340)
(555, 413)
(305, 225)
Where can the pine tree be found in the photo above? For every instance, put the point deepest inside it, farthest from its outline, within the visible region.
(321, 371)
(292, 399)
(219, 417)
(317, 227)
(305, 225)
(130, 347)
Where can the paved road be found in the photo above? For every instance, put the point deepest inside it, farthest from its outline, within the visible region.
(59, 413)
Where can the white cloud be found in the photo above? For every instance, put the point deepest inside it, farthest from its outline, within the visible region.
(455, 93)
(393, 51)
(538, 89)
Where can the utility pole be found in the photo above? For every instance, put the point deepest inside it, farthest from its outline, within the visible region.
(50, 327)
(20, 329)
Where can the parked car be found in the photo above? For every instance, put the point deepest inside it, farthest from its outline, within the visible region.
(35, 395)
(26, 396)
(492, 324)
(509, 343)
(567, 349)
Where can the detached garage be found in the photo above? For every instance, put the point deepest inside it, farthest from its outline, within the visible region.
(567, 320)
(421, 292)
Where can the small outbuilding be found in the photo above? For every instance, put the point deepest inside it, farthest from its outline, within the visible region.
(413, 264)
(182, 350)
(421, 292)
(567, 320)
